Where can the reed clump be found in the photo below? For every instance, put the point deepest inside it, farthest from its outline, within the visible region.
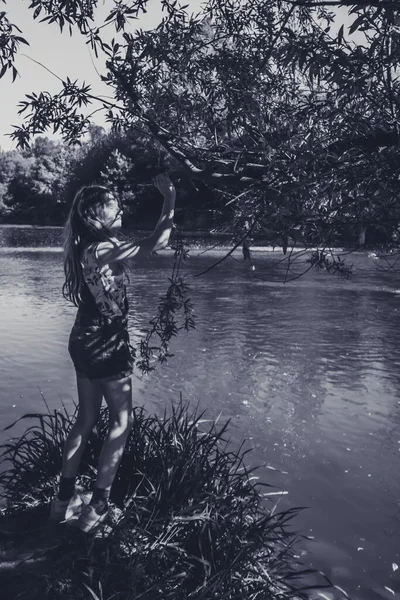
(189, 521)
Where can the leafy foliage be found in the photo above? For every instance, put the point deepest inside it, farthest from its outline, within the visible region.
(34, 181)
(164, 324)
(194, 523)
(261, 96)
(9, 45)
(332, 264)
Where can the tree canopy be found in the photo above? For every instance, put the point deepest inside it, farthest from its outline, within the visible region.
(268, 103)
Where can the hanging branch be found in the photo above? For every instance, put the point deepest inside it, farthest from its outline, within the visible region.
(232, 250)
(164, 325)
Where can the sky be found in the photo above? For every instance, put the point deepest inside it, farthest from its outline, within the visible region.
(62, 54)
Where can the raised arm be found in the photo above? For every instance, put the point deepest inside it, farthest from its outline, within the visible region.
(107, 252)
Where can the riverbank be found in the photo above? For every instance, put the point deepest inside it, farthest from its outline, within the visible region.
(190, 520)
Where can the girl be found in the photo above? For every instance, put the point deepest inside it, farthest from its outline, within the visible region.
(99, 342)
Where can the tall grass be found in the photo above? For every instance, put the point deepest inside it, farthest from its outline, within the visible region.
(193, 523)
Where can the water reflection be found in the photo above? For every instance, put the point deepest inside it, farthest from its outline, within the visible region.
(308, 372)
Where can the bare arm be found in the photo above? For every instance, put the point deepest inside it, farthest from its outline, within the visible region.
(108, 253)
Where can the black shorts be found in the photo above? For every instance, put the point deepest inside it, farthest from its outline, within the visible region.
(100, 348)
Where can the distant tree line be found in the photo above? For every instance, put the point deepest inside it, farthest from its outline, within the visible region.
(37, 184)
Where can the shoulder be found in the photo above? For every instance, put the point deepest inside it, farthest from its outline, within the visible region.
(93, 254)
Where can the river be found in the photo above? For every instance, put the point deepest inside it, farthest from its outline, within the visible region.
(307, 371)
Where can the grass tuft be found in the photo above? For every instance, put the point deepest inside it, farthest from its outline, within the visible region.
(190, 520)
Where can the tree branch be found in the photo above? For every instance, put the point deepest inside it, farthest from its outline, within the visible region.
(231, 251)
(163, 137)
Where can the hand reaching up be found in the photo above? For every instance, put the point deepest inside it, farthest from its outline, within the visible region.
(165, 185)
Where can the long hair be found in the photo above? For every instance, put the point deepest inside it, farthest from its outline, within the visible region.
(82, 228)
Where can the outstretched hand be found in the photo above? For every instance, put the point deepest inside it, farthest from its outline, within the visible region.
(164, 185)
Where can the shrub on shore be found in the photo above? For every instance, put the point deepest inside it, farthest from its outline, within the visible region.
(190, 521)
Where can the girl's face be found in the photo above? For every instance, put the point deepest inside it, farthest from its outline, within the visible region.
(109, 214)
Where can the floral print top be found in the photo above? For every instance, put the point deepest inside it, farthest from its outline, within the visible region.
(108, 290)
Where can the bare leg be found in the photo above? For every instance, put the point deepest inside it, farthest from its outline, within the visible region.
(90, 397)
(118, 395)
